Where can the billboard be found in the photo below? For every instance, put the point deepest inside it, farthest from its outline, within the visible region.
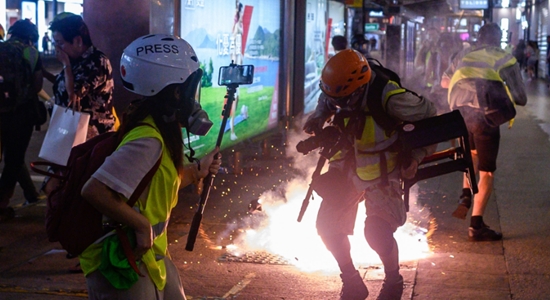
(247, 33)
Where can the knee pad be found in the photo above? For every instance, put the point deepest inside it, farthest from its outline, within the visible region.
(379, 235)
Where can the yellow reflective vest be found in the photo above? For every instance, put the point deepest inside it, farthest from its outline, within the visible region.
(161, 198)
(479, 64)
(371, 150)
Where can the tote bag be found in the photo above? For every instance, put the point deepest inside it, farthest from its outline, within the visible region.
(67, 129)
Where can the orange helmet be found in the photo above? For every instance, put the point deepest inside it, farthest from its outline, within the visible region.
(344, 73)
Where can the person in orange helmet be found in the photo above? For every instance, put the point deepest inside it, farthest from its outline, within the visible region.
(366, 167)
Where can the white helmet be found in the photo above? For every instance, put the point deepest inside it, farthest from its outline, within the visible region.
(152, 62)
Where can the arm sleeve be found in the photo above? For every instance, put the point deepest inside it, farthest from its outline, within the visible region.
(123, 170)
(409, 107)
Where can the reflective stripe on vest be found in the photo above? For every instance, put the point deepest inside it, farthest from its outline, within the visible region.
(373, 140)
(483, 64)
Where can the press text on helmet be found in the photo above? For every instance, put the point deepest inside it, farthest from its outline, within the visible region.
(157, 48)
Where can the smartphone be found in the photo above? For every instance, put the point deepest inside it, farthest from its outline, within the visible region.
(236, 74)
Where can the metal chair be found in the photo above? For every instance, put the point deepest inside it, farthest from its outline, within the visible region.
(431, 131)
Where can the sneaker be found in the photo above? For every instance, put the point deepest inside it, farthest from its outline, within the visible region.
(391, 290)
(6, 214)
(483, 234)
(353, 287)
(463, 207)
(35, 200)
(233, 137)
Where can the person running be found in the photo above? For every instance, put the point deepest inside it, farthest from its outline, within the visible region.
(487, 58)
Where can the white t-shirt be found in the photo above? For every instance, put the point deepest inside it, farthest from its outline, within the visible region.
(124, 169)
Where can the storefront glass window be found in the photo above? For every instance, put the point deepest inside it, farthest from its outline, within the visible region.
(316, 48)
(246, 32)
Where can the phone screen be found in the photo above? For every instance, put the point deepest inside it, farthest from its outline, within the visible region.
(237, 74)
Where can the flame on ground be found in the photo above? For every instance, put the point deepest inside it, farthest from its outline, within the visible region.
(275, 230)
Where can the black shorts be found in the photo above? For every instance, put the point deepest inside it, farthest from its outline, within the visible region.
(485, 140)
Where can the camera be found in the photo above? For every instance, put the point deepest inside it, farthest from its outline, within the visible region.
(236, 74)
(326, 138)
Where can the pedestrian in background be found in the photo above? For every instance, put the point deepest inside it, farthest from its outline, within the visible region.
(86, 81)
(519, 54)
(425, 61)
(17, 125)
(373, 41)
(151, 130)
(339, 43)
(484, 139)
(447, 47)
(46, 44)
(532, 55)
(359, 43)
(366, 168)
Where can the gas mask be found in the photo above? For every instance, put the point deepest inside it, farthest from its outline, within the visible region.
(350, 102)
(189, 112)
(198, 122)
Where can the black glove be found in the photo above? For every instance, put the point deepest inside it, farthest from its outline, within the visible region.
(317, 120)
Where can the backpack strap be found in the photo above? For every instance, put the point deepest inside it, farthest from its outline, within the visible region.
(375, 101)
(378, 111)
(124, 241)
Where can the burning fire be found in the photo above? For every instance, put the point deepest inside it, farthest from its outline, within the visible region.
(273, 228)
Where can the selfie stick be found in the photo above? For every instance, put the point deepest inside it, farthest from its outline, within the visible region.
(209, 179)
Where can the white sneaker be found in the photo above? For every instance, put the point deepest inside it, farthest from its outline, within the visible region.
(233, 136)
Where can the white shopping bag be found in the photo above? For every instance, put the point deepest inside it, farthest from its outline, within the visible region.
(67, 129)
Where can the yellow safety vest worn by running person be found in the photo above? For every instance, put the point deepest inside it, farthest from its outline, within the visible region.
(485, 64)
(161, 198)
(371, 148)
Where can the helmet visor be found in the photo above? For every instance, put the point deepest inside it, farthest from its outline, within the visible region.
(346, 101)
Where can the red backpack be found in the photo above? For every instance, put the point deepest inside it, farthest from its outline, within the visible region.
(70, 219)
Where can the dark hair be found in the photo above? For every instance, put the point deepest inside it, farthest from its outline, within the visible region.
(71, 26)
(490, 34)
(358, 40)
(156, 106)
(339, 42)
(24, 30)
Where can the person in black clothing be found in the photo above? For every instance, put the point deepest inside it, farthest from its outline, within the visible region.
(46, 44)
(17, 126)
(519, 53)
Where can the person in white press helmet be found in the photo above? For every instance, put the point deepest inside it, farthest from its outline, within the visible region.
(164, 69)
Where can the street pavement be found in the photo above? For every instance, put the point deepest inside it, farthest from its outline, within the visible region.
(452, 267)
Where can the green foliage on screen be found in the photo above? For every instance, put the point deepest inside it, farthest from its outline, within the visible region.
(212, 101)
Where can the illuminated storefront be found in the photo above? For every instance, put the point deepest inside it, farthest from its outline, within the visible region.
(40, 12)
